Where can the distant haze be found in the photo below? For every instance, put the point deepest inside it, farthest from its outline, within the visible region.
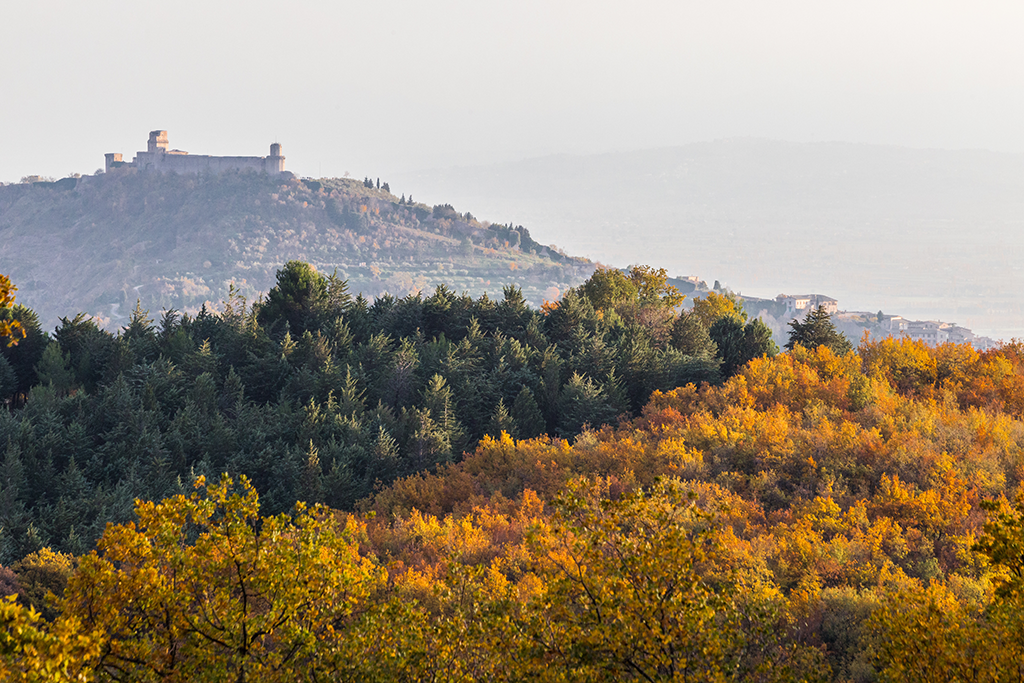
(378, 88)
(927, 234)
(383, 89)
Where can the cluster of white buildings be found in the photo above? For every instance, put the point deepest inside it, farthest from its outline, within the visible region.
(931, 332)
(778, 312)
(934, 332)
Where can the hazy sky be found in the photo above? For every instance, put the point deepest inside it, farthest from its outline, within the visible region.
(376, 87)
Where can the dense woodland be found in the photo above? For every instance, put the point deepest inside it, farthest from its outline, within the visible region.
(320, 397)
(604, 489)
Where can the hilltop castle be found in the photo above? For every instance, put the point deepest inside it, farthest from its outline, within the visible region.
(159, 158)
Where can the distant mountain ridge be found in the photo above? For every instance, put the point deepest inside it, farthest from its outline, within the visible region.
(925, 233)
(99, 243)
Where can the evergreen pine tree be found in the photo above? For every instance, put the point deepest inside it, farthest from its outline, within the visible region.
(527, 416)
(438, 401)
(583, 402)
(502, 421)
(340, 490)
(312, 485)
(288, 345)
(232, 395)
(385, 456)
(8, 380)
(738, 343)
(140, 334)
(429, 443)
(24, 356)
(727, 334)
(690, 336)
(350, 396)
(816, 330)
(13, 516)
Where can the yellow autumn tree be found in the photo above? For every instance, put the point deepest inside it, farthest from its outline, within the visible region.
(204, 589)
(33, 652)
(715, 306)
(645, 588)
(43, 576)
(10, 329)
(933, 634)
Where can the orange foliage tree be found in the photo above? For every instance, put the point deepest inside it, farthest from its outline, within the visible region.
(10, 329)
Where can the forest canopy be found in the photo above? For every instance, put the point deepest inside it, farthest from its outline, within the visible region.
(314, 486)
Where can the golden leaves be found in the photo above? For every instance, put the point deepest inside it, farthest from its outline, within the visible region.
(10, 329)
(203, 583)
(31, 652)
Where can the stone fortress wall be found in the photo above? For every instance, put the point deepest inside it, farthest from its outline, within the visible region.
(158, 157)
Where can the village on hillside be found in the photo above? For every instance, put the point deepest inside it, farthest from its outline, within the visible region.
(778, 312)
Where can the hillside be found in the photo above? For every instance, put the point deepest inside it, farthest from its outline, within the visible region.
(98, 243)
(924, 233)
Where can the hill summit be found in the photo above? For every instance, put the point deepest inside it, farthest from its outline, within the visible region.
(97, 244)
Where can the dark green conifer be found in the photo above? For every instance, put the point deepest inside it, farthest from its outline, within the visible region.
(816, 330)
(312, 485)
(501, 421)
(300, 296)
(583, 402)
(738, 343)
(690, 336)
(527, 416)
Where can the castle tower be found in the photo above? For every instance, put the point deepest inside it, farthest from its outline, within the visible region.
(275, 162)
(111, 159)
(157, 141)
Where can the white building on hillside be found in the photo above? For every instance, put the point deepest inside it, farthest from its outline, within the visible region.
(799, 304)
(930, 332)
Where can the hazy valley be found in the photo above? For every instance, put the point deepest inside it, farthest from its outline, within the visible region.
(929, 234)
